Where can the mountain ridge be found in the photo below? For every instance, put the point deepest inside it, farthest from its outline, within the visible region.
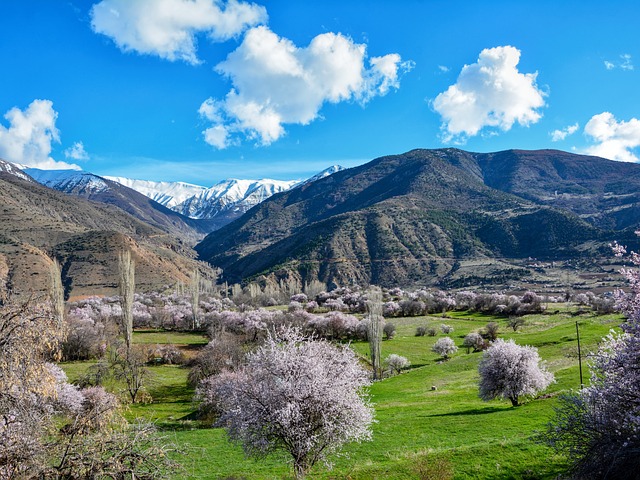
(425, 210)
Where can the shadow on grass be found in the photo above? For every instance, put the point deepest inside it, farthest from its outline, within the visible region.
(473, 411)
(171, 393)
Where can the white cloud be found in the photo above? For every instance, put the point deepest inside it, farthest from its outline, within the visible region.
(558, 135)
(625, 63)
(276, 83)
(28, 138)
(168, 28)
(443, 68)
(615, 140)
(489, 93)
(76, 152)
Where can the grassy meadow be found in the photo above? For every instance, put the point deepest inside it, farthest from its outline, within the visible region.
(430, 421)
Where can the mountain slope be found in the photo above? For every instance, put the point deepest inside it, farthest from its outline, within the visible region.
(39, 223)
(400, 219)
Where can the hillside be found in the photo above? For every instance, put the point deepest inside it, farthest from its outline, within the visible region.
(418, 217)
(39, 223)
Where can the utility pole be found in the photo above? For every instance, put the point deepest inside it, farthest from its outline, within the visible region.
(579, 355)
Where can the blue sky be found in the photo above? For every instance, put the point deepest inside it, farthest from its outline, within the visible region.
(202, 90)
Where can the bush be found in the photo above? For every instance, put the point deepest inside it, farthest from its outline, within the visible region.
(491, 331)
(432, 332)
(420, 331)
(389, 330)
(446, 329)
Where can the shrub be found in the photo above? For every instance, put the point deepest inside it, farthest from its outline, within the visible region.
(389, 330)
(491, 331)
(420, 331)
(446, 329)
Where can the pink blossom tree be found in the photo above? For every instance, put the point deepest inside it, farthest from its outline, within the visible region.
(298, 395)
(511, 371)
(598, 428)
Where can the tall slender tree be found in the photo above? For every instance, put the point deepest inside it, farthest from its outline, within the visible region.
(374, 333)
(195, 298)
(126, 286)
(56, 293)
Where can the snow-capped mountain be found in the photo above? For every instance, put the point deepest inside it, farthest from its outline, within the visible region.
(221, 203)
(229, 198)
(69, 181)
(232, 195)
(13, 169)
(169, 194)
(324, 173)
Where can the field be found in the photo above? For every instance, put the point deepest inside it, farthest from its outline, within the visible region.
(421, 431)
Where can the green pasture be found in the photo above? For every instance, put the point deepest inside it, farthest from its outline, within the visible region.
(427, 417)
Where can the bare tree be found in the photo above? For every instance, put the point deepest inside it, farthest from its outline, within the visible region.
(126, 287)
(511, 371)
(376, 326)
(301, 396)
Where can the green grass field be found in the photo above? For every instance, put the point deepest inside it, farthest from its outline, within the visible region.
(417, 428)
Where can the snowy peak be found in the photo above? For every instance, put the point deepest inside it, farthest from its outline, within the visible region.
(169, 194)
(236, 195)
(324, 173)
(14, 170)
(69, 181)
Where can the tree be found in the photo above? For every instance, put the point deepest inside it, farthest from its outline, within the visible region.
(396, 363)
(445, 347)
(598, 428)
(126, 287)
(508, 370)
(473, 340)
(374, 333)
(195, 298)
(52, 429)
(298, 395)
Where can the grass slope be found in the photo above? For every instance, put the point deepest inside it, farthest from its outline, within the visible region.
(416, 426)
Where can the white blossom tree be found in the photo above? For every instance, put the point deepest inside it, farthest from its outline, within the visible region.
(445, 347)
(396, 363)
(510, 371)
(298, 395)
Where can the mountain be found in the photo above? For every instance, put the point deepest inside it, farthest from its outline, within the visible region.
(39, 223)
(169, 194)
(421, 216)
(221, 203)
(99, 189)
(12, 169)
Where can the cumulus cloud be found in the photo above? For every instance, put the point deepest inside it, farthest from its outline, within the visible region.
(277, 83)
(168, 28)
(558, 135)
(625, 63)
(28, 138)
(489, 93)
(76, 152)
(615, 139)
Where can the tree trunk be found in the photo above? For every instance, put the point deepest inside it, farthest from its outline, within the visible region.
(514, 401)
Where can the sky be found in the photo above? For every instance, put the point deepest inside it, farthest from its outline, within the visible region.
(203, 90)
